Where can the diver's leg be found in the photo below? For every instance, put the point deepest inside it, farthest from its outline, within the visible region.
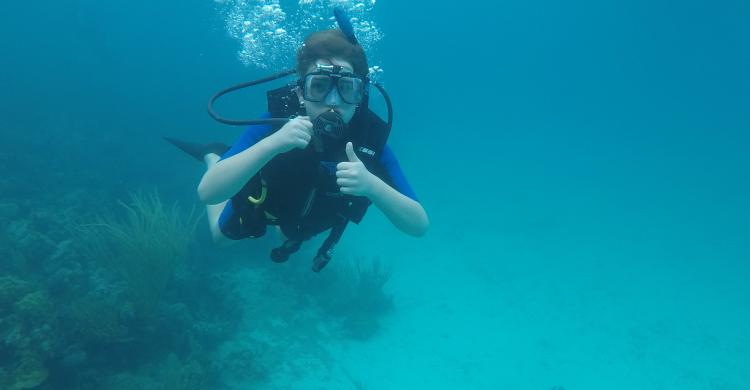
(213, 211)
(280, 235)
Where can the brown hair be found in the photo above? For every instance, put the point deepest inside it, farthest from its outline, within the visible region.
(329, 44)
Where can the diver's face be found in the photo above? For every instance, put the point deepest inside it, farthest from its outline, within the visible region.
(333, 100)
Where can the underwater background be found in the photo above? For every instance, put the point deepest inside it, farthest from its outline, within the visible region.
(584, 165)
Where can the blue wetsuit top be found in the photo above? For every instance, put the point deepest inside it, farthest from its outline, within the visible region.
(253, 134)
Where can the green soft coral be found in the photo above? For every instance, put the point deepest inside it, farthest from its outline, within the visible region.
(96, 320)
(34, 306)
(11, 290)
(29, 373)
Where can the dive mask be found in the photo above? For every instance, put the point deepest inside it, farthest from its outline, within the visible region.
(317, 85)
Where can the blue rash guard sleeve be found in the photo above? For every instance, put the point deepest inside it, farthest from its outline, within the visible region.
(390, 165)
(250, 137)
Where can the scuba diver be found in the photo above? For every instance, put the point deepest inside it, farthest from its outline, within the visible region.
(315, 161)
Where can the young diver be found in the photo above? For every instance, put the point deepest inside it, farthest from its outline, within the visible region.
(317, 171)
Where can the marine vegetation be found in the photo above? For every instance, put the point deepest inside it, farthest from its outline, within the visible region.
(124, 295)
(143, 250)
(354, 293)
(109, 302)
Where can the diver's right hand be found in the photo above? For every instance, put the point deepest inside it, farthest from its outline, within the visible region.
(294, 134)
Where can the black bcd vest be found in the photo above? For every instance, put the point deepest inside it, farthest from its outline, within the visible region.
(298, 188)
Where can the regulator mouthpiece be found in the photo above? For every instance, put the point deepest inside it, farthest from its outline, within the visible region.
(329, 128)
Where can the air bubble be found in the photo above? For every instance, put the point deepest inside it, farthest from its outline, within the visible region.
(269, 34)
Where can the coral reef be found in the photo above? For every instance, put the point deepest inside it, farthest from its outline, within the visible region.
(97, 320)
(355, 294)
(28, 373)
(107, 299)
(11, 289)
(34, 307)
(144, 250)
(26, 327)
(124, 300)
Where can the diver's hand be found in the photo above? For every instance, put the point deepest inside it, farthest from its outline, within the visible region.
(294, 134)
(353, 177)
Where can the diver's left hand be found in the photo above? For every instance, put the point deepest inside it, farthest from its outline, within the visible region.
(353, 177)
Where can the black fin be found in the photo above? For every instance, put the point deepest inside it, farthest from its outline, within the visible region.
(198, 150)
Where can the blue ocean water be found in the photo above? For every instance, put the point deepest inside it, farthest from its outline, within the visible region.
(584, 166)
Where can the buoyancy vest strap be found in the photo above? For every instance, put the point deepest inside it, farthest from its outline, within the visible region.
(326, 250)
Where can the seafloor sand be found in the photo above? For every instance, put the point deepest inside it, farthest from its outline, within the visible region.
(521, 315)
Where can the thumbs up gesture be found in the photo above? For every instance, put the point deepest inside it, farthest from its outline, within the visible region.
(353, 177)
